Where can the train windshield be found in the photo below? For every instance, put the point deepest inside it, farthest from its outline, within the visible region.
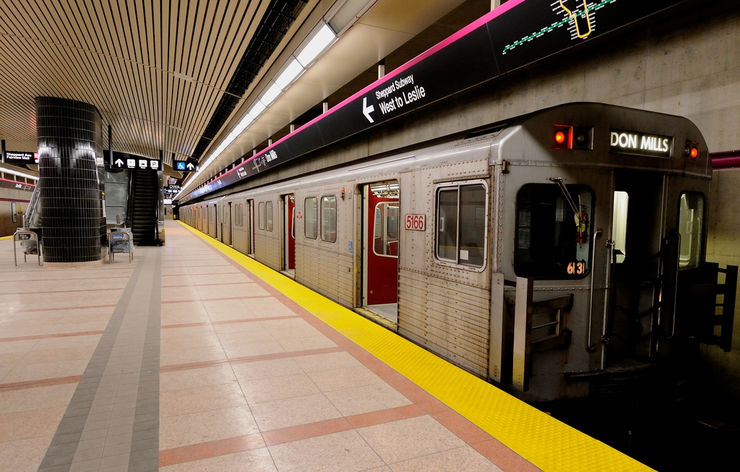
(553, 231)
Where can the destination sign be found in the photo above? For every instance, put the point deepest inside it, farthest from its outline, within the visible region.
(513, 36)
(640, 144)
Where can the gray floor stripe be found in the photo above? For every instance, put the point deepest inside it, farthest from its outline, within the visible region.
(112, 420)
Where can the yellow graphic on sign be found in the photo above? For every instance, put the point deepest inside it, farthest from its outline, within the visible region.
(574, 14)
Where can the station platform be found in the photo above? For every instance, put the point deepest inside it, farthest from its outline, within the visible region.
(194, 357)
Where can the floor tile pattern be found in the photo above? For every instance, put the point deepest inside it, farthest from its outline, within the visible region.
(244, 378)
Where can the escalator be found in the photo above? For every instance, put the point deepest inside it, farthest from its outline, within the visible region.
(142, 207)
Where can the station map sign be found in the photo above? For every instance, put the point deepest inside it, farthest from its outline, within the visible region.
(517, 34)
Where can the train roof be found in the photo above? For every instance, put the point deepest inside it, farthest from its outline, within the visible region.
(613, 136)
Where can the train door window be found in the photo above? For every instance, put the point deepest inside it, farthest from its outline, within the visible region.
(261, 215)
(385, 228)
(619, 225)
(311, 217)
(691, 228)
(268, 221)
(552, 231)
(461, 224)
(329, 219)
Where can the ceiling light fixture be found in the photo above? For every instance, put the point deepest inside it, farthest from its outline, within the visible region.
(321, 38)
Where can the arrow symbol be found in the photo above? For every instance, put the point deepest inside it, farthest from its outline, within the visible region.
(366, 110)
(190, 166)
(118, 163)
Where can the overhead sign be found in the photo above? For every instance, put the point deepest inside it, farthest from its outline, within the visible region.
(21, 158)
(512, 36)
(127, 161)
(640, 144)
(189, 165)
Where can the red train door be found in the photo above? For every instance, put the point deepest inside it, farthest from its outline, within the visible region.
(380, 252)
(289, 236)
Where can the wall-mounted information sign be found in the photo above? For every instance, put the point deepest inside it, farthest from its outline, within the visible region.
(640, 144)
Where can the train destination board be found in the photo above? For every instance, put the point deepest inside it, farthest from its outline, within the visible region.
(515, 35)
(640, 144)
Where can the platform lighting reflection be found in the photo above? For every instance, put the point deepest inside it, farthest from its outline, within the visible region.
(322, 38)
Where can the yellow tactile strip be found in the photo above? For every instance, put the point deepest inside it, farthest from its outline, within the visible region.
(542, 440)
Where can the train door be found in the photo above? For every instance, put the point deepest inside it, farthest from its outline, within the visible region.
(380, 249)
(250, 227)
(227, 233)
(638, 266)
(289, 233)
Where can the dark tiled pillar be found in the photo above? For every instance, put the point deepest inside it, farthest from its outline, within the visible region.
(69, 134)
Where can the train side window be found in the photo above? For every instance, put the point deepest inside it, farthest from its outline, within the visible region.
(329, 219)
(261, 215)
(691, 228)
(268, 220)
(461, 224)
(619, 225)
(311, 217)
(552, 231)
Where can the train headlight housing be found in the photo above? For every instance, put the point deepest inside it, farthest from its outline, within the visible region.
(572, 137)
(692, 149)
(562, 136)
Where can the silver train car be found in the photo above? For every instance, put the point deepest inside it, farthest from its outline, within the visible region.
(544, 254)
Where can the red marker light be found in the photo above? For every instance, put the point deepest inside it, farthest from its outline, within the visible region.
(559, 137)
(563, 137)
(694, 153)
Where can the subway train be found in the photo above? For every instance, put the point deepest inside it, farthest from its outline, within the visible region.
(546, 253)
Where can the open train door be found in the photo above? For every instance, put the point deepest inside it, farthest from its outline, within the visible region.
(289, 234)
(380, 249)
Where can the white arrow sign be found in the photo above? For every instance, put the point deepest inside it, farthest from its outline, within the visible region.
(118, 163)
(190, 166)
(366, 110)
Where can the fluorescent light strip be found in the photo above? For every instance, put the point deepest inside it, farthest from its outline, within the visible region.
(321, 40)
(290, 73)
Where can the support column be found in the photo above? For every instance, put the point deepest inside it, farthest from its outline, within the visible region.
(70, 138)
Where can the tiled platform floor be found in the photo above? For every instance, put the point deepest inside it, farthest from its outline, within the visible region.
(248, 380)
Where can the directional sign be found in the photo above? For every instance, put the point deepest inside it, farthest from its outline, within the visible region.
(515, 35)
(122, 161)
(20, 158)
(188, 165)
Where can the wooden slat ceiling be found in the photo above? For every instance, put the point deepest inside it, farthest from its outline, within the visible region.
(155, 69)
